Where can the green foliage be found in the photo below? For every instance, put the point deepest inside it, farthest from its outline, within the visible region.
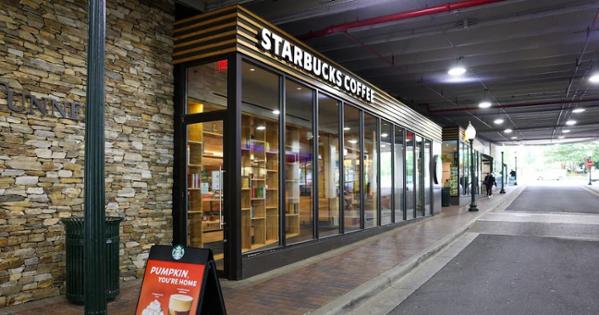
(575, 153)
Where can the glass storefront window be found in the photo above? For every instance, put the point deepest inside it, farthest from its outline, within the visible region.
(207, 87)
(410, 187)
(299, 218)
(328, 166)
(398, 174)
(259, 158)
(351, 168)
(370, 170)
(386, 171)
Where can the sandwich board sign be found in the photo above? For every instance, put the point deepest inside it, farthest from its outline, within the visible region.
(180, 281)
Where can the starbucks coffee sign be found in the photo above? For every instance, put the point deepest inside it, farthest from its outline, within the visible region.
(26, 103)
(291, 53)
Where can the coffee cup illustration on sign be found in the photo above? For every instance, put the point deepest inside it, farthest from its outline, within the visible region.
(179, 304)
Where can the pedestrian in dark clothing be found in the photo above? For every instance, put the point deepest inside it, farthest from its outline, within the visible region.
(489, 182)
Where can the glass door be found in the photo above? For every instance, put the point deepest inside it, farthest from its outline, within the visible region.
(205, 193)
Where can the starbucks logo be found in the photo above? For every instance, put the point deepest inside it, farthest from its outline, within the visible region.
(178, 252)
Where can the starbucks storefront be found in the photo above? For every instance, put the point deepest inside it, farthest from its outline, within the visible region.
(281, 154)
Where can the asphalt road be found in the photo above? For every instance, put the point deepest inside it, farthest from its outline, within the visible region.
(498, 274)
(540, 256)
(553, 198)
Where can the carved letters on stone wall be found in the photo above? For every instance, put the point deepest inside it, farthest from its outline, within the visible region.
(25, 102)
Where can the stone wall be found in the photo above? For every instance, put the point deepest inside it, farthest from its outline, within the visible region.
(43, 53)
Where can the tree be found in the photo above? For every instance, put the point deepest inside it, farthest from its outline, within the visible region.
(572, 154)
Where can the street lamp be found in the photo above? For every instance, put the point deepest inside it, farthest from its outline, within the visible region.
(502, 175)
(590, 166)
(469, 135)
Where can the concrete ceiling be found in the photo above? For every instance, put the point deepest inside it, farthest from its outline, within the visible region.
(531, 58)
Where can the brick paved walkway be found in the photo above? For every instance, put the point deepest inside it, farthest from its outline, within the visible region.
(305, 287)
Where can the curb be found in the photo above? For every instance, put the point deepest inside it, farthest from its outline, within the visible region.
(591, 190)
(365, 291)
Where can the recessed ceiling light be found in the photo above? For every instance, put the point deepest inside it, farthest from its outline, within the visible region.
(456, 71)
(571, 122)
(484, 104)
(346, 128)
(514, 138)
(252, 69)
(508, 130)
(561, 137)
(353, 141)
(384, 135)
(276, 111)
(261, 127)
(566, 130)
(578, 110)
(594, 78)
(298, 88)
(498, 121)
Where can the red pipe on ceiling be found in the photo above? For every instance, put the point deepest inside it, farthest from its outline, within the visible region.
(448, 7)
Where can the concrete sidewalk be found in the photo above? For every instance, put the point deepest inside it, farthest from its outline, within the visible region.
(333, 282)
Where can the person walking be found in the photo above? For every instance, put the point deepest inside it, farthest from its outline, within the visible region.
(489, 182)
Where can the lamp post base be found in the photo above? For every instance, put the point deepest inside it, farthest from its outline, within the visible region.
(502, 191)
(473, 207)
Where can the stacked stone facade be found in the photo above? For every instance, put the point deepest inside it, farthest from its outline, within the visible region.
(43, 53)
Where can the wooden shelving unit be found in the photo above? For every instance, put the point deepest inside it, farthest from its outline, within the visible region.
(259, 183)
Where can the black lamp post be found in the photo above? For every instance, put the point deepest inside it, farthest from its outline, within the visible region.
(470, 134)
(95, 240)
(515, 170)
(502, 175)
(590, 166)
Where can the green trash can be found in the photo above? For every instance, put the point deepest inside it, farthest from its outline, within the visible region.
(75, 239)
(445, 199)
